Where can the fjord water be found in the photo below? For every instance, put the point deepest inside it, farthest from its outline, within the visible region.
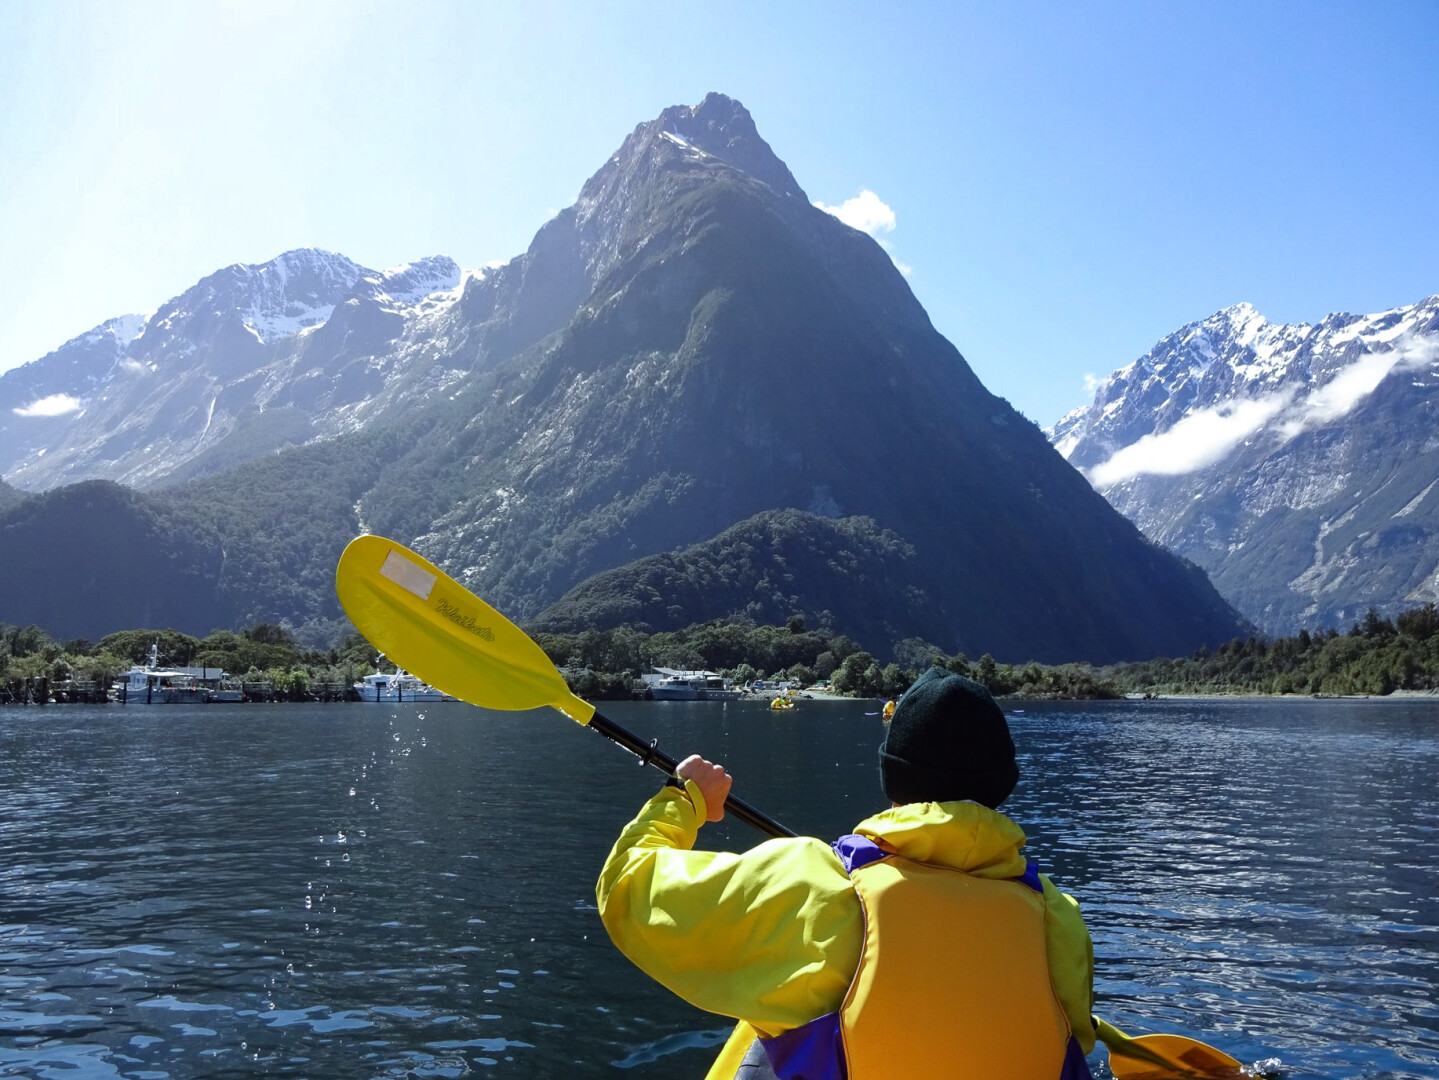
(394, 891)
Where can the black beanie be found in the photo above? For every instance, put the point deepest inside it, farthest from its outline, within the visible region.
(947, 741)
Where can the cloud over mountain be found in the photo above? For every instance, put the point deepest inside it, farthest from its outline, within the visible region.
(1291, 462)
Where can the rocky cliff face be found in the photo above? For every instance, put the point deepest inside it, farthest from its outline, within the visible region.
(689, 345)
(1296, 464)
(741, 351)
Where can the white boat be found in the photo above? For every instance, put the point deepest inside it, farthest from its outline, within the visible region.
(401, 686)
(674, 688)
(669, 684)
(150, 684)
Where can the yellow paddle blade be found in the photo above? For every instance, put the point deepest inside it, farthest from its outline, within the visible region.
(432, 626)
(1164, 1057)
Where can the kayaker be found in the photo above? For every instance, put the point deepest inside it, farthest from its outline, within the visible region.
(923, 944)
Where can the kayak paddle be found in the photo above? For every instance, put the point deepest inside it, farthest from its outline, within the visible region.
(1163, 1057)
(435, 628)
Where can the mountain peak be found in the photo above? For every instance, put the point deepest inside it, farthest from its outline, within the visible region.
(719, 127)
(1243, 317)
(413, 281)
(1242, 310)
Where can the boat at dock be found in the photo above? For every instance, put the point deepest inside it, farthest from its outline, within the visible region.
(670, 684)
(150, 684)
(398, 686)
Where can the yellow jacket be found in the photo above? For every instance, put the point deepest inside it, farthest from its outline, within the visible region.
(773, 936)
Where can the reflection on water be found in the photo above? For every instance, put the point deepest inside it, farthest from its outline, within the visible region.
(395, 891)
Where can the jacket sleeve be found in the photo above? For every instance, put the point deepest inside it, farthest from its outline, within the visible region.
(771, 936)
(1071, 961)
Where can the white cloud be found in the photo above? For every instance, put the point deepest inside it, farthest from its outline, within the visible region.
(1091, 383)
(866, 212)
(1196, 441)
(54, 405)
(1345, 390)
(1204, 437)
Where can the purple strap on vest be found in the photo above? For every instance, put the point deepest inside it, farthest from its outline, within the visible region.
(855, 851)
(811, 1052)
(1075, 1067)
(1030, 877)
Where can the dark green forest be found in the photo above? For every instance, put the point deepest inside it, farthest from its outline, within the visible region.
(1376, 656)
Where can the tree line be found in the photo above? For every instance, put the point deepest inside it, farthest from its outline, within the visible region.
(32, 662)
(601, 664)
(1376, 656)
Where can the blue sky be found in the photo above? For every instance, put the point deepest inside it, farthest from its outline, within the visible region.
(1067, 182)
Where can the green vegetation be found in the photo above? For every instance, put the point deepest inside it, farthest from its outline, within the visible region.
(33, 665)
(606, 663)
(842, 572)
(1376, 656)
(281, 530)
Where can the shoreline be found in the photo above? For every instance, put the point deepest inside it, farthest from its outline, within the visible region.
(1395, 695)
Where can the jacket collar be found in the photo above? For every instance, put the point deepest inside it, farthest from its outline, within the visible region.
(961, 835)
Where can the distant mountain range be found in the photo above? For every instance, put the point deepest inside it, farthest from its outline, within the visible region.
(1296, 464)
(251, 359)
(692, 348)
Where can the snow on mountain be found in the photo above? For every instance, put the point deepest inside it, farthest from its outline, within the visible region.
(1235, 432)
(623, 388)
(1213, 385)
(238, 365)
(409, 283)
(289, 294)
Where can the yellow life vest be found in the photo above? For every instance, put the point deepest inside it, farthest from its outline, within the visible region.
(953, 981)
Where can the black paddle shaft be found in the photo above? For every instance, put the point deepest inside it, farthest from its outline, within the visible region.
(649, 753)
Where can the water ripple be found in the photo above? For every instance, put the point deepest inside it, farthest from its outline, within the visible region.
(349, 891)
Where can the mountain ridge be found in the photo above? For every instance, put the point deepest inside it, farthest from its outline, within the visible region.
(690, 344)
(1294, 463)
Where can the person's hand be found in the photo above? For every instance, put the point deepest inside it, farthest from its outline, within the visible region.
(713, 782)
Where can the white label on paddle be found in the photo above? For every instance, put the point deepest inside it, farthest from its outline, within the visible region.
(407, 575)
